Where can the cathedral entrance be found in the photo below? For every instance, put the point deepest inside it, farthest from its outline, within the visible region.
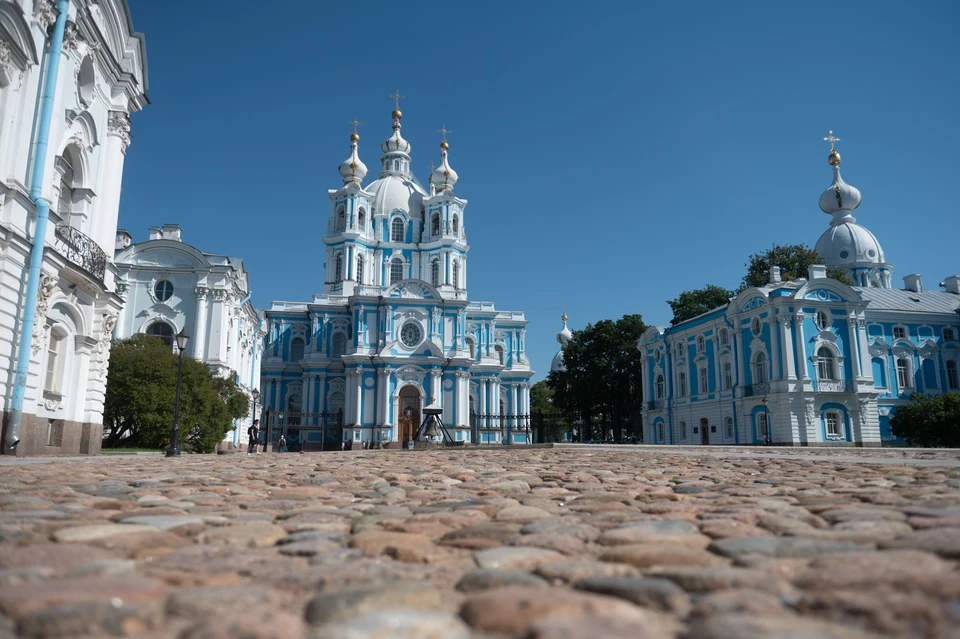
(409, 408)
(704, 434)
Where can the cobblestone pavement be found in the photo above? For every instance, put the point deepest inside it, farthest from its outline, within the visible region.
(566, 543)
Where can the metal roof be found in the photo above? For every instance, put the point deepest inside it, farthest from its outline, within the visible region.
(887, 299)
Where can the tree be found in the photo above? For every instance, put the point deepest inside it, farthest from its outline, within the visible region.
(541, 397)
(929, 421)
(794, 260)
(141, 390)
(689, 304)
(603, 376)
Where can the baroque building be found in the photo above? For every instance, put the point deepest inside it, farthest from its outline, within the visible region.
(71, 72)
(168, 285)
(394, 330)
(807, 362)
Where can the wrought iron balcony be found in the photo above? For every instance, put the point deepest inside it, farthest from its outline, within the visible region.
(81, 250)
(753, 390)
(656, 404)
(834, 386)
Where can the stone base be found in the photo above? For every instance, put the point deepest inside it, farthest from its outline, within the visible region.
(64, 437)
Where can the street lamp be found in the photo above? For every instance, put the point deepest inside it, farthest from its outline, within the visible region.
(174, 450)
(766, 421)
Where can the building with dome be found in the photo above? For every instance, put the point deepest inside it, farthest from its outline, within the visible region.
(563, 337)
(393, 329)
(807, 362)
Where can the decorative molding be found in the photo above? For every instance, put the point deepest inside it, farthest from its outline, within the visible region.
(122, 288)
(119, 124)
(6, 62)
(51, 404)
(45, 12)
(103, 345)
(47, 285)
(202, 293)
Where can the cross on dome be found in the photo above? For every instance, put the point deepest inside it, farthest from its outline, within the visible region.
(834, 157)
(444, 177)
(831, 138)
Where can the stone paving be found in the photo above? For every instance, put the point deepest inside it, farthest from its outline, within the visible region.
(567, 543)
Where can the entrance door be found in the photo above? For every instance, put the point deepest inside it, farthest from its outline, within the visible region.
(704, 433)
(409, 420)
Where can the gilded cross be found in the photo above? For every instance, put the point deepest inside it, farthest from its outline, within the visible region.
(355, 122)
(831, 138)
(431, 166)
(396, 96)
(443, 130)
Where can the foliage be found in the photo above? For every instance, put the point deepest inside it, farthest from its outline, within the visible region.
(689, 304)
(603, 376)
(929, 421)
(141, 390)
(541, 397)
(793, 259)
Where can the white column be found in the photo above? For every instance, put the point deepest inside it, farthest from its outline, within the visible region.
(435, 388)
(853, 349)
(483, 409)
(322, 381)
(307, 396)
(358, 400)
(104, 224)
(866, 366)
(741, 357)
(787, 349)
(200, 325)
(385, 398)
(801, 350)
(774, 349)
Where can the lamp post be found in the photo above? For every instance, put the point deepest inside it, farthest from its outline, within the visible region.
(174, 450)
(255, 394)
(282, 428)
(766, 421)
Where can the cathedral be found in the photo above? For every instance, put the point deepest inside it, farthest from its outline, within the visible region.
(805, 362)
(393, 336)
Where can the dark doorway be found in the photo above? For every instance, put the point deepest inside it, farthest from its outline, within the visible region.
(704, 432)
(409, 421)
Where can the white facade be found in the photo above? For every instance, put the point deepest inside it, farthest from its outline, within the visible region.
(168, 286)
(101, 80)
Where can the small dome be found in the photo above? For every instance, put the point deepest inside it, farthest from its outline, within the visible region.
(444, 177)
(395, 143)
(557, 363)
(840, 196)
(849, 244)
(352, 169)
(565, 334)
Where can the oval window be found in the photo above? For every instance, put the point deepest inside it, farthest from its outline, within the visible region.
(163, 290)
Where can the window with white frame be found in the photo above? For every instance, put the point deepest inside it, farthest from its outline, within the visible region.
(659, 387)
(683, 430)
(341, 222)
(826, 364)
(56, 347)
(456, 273)
(163, 290)
(701, 343)
(760, 368)
(755, 326)
(762, 430)
(832, 419)
(335, 402)
(953, 381)
(456, 225)
(656, 356)
(899, 332)
(679, 350)
(359, 269)
(338, 344)
(435, 272)
(338, 268)
(162, 330)
(727, 376)
(949, 335)
(822, 320)
(361, 220)
(682, 384)
(660, 433)
(296, 349)
(903, 373)
(729, 423)
(724, 337)
(435, 225)
(396, 270)
(396, 230)
(704, 381)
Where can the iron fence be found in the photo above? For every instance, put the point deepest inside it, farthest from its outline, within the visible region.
(303, 431)
(81, 250)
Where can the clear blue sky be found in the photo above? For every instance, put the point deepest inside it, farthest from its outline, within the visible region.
(613, 154)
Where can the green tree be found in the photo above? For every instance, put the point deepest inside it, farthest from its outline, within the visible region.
(689, 304)
(929, 421)
(541, 397)
(140, 395)
(793, 260)
(603, 379)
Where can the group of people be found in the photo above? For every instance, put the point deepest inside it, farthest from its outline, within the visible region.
(253, 433)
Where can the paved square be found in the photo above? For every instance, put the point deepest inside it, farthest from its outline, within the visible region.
(591, 542)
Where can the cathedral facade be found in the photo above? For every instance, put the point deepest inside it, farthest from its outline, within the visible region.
(394, 331)
(811, 361)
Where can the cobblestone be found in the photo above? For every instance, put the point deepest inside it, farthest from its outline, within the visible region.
(482, 544)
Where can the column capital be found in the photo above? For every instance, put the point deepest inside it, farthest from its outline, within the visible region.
(119, 125)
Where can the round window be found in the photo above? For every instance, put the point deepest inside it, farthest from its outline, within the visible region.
(163, 290)
(656, 355)
(872, 253)
(410, 334)
(844, 254)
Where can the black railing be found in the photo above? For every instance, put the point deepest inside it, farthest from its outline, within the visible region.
(752, 390)
(303, 431)
(656, 404)
(82, 251)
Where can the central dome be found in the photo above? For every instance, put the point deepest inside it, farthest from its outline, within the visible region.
(849, 244)
(396, 193)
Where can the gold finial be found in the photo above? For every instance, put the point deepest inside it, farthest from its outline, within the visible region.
(564, 316)
(834, 157)
(443, 130)
(397, 114)
(355, 137)
(431, 166)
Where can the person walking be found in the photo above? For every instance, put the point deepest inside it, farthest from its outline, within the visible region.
(282, 444)
(253, 433)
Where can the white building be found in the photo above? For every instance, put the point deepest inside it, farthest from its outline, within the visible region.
(168, 286)
(64, 132)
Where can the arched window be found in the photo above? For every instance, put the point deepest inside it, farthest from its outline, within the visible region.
(396, 270)
(762, 431)
(683, 430)
(825, 364)
(660, 434)
(396, 165)
(435, 225)
(359, 269)
(396, 230)
(501, 356)
(361, 220)
(341, 219)
(55, 356)
(472, 346)
(456, 273)
(682, 384)
(701, 343)
(727, 376)
(338, 344)
(832, 420)
(679, 350)
(723, 337)
(760, 368)
(335, 402)
(296, 349)
(338, 269)
(163, 331)
(729, 427)
(953, 381)
(659, 387)
(294, 407)
(903, 373)
(456, 225)
(435, 272)
(704, 381)
(755, 326)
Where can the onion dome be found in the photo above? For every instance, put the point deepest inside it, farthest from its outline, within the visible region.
(395, 143)
(564, 337)
(352, 169)
(443, 177)
(840, 198)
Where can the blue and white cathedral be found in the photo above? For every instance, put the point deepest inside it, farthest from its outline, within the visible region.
(394, 332)
(810, 361)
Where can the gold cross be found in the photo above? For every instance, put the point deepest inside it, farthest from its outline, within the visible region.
(355, 122)
(443, 130)
(396, 96)
(831, 139)
(431, 166)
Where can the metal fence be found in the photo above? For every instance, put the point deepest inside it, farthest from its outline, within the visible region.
(303, 431)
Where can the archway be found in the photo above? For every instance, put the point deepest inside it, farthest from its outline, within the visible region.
(409, 408)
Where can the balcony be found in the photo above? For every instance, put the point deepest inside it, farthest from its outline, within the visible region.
(753, 390)
(656, 404)
(81, 251)
(834, 386)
